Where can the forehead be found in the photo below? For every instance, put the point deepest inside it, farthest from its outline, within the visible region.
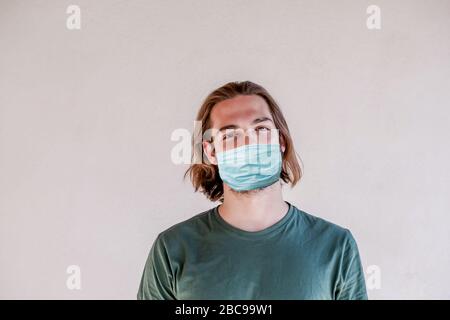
(239, 110)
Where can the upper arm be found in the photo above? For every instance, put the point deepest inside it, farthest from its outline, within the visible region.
(157, 279)
(352, 285)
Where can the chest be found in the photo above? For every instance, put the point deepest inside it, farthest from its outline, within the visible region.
(277, 270)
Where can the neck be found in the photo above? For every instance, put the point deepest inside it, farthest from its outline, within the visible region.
(254, 210)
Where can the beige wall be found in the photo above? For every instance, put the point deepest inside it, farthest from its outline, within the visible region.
(86, 118)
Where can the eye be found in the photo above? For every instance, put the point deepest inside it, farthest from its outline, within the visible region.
(228, 135)
(262, 129)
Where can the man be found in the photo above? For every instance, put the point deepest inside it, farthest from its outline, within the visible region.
(254, 245)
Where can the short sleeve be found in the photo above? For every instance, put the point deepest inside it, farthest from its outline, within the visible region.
(156, 281)
(352, 285)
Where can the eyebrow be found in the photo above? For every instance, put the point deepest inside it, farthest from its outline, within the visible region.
(257, 120)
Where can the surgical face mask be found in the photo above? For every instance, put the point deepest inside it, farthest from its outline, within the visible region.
(250, 166)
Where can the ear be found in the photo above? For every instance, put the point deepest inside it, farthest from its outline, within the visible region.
(209, 150)
(282, 144)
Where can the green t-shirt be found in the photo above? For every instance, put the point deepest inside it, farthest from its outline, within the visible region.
(301, 256)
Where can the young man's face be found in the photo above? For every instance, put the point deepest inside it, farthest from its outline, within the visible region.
(244, 119)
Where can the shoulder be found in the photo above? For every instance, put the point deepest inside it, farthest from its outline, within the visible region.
(192, 227)
(319, 227)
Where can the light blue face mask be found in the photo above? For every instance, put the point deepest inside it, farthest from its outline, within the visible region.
(250, 166)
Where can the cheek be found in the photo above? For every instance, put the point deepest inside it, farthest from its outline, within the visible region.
(217, 147)
(224, 145)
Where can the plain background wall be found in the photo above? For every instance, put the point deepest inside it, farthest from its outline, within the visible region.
(86, 118)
